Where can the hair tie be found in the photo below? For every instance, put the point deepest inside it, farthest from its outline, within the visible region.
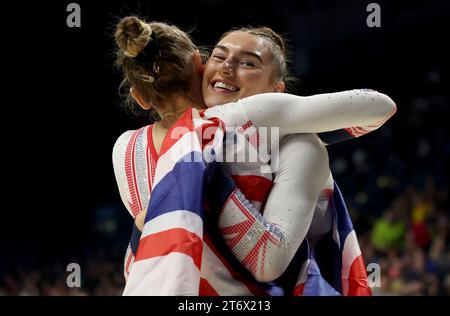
(150, 50)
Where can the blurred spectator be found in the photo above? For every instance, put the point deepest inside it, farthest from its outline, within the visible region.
(389, 232)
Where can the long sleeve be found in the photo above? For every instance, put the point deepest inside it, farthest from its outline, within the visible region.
(356, 112)
(119, 165)
(118, 158)
(265, 244)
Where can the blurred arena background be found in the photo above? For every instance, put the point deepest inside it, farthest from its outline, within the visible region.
(61, 116)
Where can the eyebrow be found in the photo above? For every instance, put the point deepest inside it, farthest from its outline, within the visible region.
(245, 52)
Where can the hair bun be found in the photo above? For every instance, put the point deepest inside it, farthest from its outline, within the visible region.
(132, 35)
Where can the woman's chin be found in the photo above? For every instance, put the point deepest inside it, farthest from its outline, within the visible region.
(212, 101)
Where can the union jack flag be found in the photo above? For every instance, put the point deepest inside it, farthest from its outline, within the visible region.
(342, 271)
(169, 255)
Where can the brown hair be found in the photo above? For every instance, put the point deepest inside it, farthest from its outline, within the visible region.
(279, 51)
(156, 59)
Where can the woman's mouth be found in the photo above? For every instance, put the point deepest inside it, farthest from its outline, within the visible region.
(224, 87)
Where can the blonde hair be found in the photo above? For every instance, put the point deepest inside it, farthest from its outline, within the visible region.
(132, 36)
(156, 59)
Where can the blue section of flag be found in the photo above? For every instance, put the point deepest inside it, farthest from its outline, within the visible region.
(344, 222)
(328, 254)
(134, 240)
(180, 189)
(324, 274)
(316, 284)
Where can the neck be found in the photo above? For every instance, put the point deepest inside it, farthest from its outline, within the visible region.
(171, 109)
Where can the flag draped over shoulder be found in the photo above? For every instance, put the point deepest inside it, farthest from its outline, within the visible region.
(169, 255)
(335, 265)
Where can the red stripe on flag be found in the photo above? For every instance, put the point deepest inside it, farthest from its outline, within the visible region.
(326, 193)
(255, 188)
(206, 289)
(168, 241)
(298, 291)
(207, 131)
(357, 280)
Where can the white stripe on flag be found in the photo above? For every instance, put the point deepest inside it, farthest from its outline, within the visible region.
(219, 277)
(185, 145)
(248, 169)
(174, 268)
(176, 219)
(350, 252)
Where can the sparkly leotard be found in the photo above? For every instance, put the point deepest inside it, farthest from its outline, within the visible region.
(302, 183)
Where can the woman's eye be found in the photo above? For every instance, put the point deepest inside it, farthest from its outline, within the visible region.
(219, 57)
(247, 64)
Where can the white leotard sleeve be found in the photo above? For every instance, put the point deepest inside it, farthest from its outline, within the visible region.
(265, 244)
(118, 158)
(358, 110)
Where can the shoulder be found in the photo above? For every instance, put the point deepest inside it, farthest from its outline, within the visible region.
(122, 142)
(120, 156)
(123, 139)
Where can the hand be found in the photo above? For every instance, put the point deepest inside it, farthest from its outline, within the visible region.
(140, 219)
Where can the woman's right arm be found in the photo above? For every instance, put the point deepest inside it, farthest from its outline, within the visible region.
(358, 112)
(265, 244)
(118, 158)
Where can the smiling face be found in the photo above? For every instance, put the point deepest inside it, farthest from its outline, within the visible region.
(240, 65)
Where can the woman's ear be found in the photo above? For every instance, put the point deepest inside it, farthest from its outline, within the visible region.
(280, 86)
(197, 59)
(139, 99)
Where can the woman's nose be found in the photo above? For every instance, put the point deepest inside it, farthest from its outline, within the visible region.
(227, 67)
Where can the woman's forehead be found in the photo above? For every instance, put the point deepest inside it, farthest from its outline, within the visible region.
(245, 42)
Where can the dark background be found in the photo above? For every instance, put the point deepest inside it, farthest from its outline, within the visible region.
(61, 113)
